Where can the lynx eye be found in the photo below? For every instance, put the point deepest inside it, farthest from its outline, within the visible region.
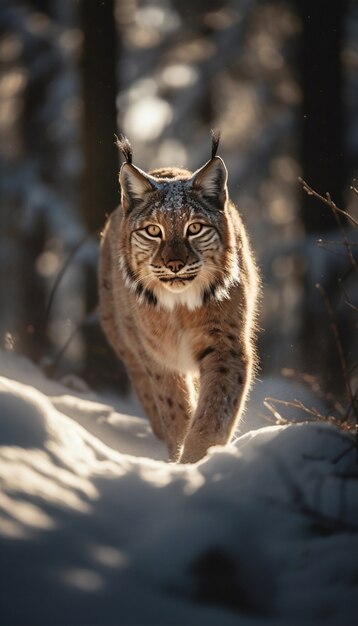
(195, 228)
(153, 230)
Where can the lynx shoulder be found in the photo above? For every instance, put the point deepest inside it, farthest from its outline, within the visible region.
(178, 293)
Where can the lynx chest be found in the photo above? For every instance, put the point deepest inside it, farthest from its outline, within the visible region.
(169, 343)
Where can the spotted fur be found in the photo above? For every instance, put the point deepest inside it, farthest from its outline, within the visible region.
(178, 293)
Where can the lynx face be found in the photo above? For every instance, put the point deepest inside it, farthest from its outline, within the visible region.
(177, 247)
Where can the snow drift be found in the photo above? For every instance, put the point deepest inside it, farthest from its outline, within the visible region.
(96, 527)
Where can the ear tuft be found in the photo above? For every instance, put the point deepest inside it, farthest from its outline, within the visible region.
(215, 140)
(125, 147)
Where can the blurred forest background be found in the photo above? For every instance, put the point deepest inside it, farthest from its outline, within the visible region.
(279, 78)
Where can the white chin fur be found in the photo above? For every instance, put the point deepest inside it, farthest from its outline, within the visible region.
(190, 296)
(176, 286)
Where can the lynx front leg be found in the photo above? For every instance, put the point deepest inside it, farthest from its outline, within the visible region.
(175, 397)
(141, 380)
(223, 390)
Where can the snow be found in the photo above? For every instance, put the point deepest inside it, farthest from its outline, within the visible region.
(96, 528)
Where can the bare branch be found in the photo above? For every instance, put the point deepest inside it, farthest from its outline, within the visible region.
(278, 417)
(314, 385)
(338, 342)
(314, 414)
(297, 404)
(346, 295)
(328, 200)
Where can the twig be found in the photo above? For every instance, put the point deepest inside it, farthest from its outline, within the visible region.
(316, 416)
(337, 212)
(346, 295)
(278, 417)
(325, 244)
(296, 404)
(313, 383)
(342, 454)
(351, 306)
(328, 200)
(338, 342)
(342, 423)
(330, 242)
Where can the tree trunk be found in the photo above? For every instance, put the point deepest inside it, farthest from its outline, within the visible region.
(323, 165)
(322, 129)
(100, 192)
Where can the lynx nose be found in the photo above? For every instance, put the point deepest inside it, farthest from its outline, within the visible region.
(176, 265)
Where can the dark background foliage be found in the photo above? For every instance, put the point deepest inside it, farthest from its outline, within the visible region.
(279, 79)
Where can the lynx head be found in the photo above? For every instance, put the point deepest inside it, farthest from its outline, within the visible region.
(177, 244)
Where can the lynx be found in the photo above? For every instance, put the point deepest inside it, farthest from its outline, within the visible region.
(178, 294)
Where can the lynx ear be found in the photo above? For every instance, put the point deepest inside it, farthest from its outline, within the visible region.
(135, 185)
(211, 182)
